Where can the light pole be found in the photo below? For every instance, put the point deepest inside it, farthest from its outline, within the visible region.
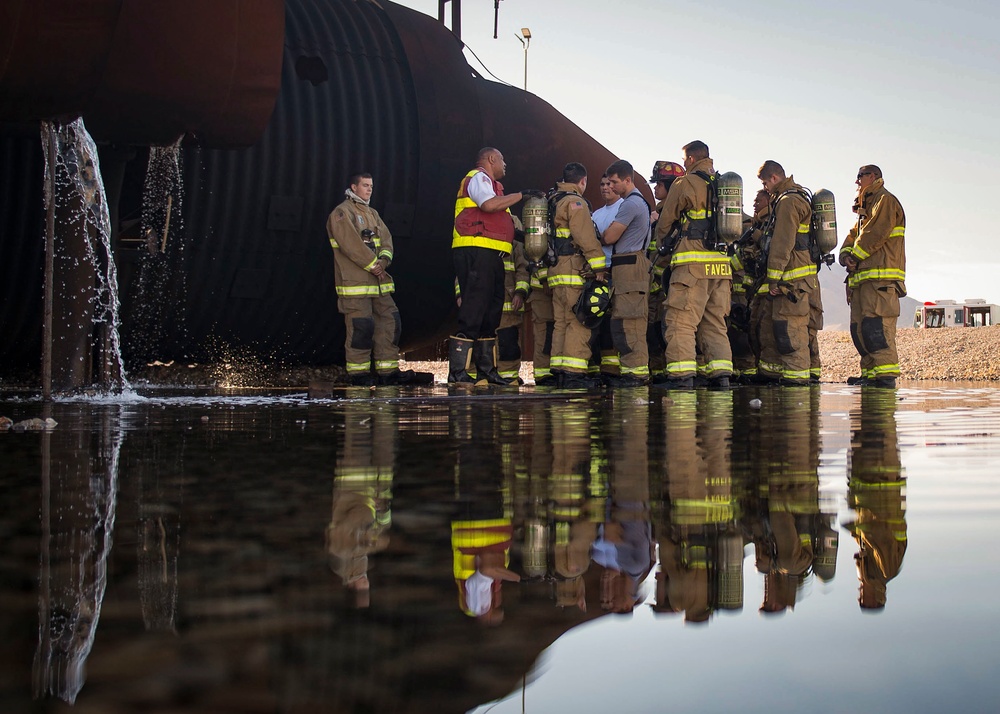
(525, 38)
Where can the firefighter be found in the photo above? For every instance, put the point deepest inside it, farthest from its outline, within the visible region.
(515, 294)
(745, 347)
(580, 257)
(483, 234)
(876, 495)
(700, 290)
(629, 236)
(362, 253)
(362, 495)
(791, 278)
(664, 173)
(874, 254)
(542, 327)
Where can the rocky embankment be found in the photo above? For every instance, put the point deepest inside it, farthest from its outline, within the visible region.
(960, 353)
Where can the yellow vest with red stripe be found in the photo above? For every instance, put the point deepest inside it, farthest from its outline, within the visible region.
(477, 228)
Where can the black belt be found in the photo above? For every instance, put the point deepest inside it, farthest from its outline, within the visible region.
(624, 260)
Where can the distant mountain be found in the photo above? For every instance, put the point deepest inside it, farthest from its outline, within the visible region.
(836, 311)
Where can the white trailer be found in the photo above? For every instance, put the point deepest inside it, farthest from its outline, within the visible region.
(974, 312)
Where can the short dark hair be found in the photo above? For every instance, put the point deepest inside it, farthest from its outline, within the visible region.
(354, 179)
(696, 149)
(621, 168)
(875, 170)
(770, 168)
(484, 153)
(574, 172)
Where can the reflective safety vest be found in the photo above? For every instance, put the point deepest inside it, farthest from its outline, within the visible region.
(476, 228)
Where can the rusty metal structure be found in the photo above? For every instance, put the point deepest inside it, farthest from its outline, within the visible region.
(277, 103)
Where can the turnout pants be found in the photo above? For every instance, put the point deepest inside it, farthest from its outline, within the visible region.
(542, 327)
(786, 322)
(698, 306)
(629, 310)
(874, 310)
(373, 328)
(815, 325)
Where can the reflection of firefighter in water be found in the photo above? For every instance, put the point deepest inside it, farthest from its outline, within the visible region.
(791, 536)
(561, 505)
(362, 494)
(624, 546)
(482, 528)
(876, 494)
(701, 552)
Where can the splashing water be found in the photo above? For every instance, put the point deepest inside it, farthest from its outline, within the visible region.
(79, 189)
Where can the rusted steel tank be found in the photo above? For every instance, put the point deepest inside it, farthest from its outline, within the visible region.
(365, 86)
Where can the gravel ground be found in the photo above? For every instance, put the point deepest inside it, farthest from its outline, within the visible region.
(947, 354)
(953, 354)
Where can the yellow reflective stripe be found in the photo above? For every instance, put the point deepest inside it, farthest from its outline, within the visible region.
(739, 288)
(800, 272)
(358, 367)
(458, 241)
(541, 372)
(681, 366)
(795, 374)
(855, 279)
(360, 290)
(774, 274)
(386, 364)
(572, 362)
(521, 285)
(719, 365)
(696, 215)
(508, 266)
(334, 243)
(736, 262)
(610, 360)
(803, 228)
(598, 263)
(859, 252)
(694, 256)
(641, 371)
(897, 232)
(564, 280)
(508, 307)
(562, 233)
(884, 369)
(770, 367)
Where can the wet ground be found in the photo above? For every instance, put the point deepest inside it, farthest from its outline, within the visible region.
(825, 549)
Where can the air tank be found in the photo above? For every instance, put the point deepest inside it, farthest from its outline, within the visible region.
(535, 217)
(729, 217)
(823, 230)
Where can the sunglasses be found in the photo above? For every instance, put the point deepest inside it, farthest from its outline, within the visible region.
(864, 173)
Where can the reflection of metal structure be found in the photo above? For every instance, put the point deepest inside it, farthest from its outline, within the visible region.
(362, 85)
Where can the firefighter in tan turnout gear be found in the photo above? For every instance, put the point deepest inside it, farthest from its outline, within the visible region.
(700, 286)
(874, 254)
(791, 278)
(362, 253)
(580, 257)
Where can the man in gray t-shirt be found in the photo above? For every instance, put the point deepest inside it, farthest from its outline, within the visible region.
(629, 235)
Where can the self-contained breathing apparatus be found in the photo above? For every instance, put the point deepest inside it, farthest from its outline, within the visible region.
(542, 245)
(822, 239)
(723, 222)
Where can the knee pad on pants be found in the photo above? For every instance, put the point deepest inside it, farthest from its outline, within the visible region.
(550, 327)
(364, 333)
(397, 328)
(619, 338)
(873, 334)
(856, 339)
(508, 346)
(782, 341)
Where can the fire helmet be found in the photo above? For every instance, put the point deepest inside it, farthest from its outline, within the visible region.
(666, 171)
(593, 303)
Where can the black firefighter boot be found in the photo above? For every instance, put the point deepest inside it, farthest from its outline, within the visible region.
(484, 354)
(459, 359)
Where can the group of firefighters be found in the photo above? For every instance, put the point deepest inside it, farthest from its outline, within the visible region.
(625, 296)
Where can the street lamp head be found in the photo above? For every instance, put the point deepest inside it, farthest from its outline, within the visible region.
(526, 32)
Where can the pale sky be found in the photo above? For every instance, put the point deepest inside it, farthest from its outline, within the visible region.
(913, 87)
